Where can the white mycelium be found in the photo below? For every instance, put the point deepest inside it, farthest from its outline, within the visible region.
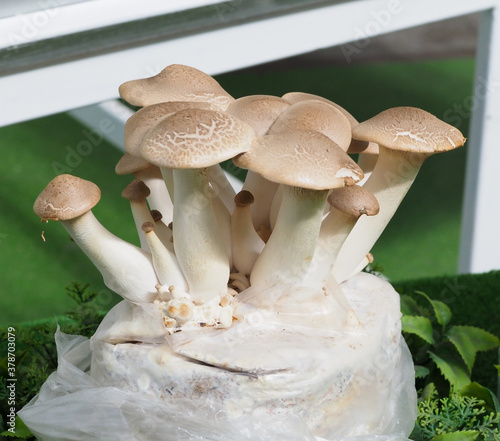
(226, 322)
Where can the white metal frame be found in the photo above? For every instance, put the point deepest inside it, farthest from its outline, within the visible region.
(41, 91)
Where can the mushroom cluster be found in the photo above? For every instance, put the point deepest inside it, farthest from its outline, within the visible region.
(278, 321)
(307, 214)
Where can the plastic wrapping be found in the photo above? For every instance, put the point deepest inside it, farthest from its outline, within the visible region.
(370, 392)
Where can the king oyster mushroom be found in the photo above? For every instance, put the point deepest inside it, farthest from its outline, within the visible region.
(308, 163)
(260, 112)
(188, 142)
(126, 269)
(176, 83)
(406, 137)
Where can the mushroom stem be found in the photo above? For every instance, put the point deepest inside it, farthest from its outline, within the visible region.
(263, 192)
(389, 182)
(289, 251)
(159, 199)
(198, 243)
(163, 232)
(246, 243)
(221, 186)
(334, 231)
(165, 264)
(367, 163)
(125, 268)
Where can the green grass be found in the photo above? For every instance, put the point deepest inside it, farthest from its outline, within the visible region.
(421, 241)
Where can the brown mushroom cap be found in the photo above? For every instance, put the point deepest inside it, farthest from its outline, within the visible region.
(315, 115)
(136, 191)
(129, 164)
(244, 198)
(301, 158)
(175, 83)
(409, 129)
(141, 122)
(356, 145)
(354, 201)
(196, 138)
(259, 111)
(66, 197)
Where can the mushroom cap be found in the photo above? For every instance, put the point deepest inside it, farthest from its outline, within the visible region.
(244, 198)
(409, 129)
(176, 83)
(136, 191)
(300, 158)
(66, 197)
(356, 146)
(196, 138)
(354, 201)
(259, 111)
(131, 164)
(141, 122)
(315, 115)
(156, 215)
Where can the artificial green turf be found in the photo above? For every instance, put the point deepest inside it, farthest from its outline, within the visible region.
(421, 241)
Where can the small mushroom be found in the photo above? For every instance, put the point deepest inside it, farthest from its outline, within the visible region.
(163, 232)
(189, 142)
(348, 204)
(176, 83)
(136, 192)
(126, 269)
(406, 137)
(247, 244)
(150, 174)
(165, 264)
(308, 164)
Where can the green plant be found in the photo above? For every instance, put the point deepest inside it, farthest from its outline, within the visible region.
(443, 354)
(458, 417)
(36, 355)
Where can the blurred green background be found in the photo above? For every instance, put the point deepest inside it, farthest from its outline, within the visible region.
(421, 241)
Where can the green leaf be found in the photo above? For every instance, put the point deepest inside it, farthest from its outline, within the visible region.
(421, 371)
(441, 310)
(418, 325)
(409, 306)
(453, 370)
(21, 431)
(428, 392)
(498, 368)
(468, 340)
(464, 435)
(482, 393)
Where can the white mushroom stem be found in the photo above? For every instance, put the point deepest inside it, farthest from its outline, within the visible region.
(289, 251)
(389, 182)
(141, 214)
(159, 199)
(263, 192)
(163, 232)
(362, 265)
(246, 243)
(165, 264)
(198, 243)
(168, 180)
(223, 217)
(125, 268)
(275, 206)
(367, 163)
(334, 231)
(221, 186)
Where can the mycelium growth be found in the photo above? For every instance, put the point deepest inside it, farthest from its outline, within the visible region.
(233, 326)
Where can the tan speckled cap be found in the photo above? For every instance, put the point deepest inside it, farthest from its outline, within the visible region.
(301, 158)
(140, 122)
(409, 129)
(315, 115)
(131, 164)
(66, 197)
(356, 145)
(259, 111)
(196, 138)
(176, 83)
(354, 201)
